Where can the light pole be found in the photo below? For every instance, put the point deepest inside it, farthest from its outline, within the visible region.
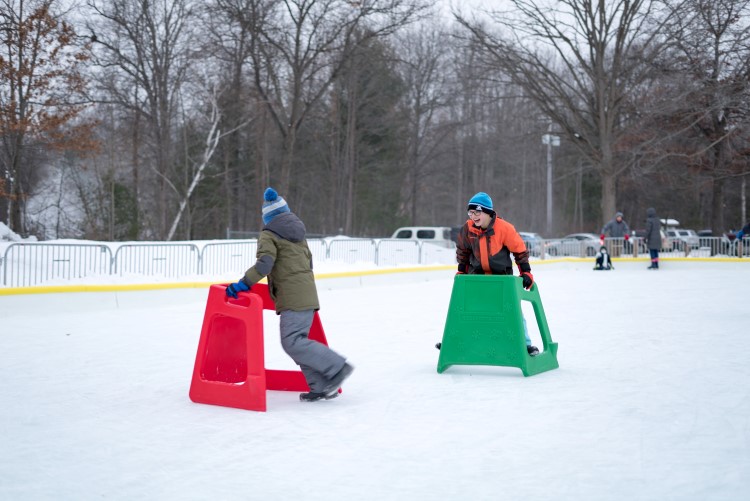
(550, 141)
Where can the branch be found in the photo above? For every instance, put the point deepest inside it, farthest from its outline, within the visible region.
(212, 141)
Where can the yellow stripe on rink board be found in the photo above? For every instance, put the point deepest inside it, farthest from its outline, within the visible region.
(51, 289)
(645, 259)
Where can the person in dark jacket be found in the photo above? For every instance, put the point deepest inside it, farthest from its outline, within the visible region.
(284, 257)
(485, 244)
(744, 231)
(653, 237)
(616, 228)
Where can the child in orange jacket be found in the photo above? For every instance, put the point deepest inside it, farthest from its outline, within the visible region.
(484, 246)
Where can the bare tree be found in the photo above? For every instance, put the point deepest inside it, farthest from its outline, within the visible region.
(578, 60)
(298, 48)
(424, 67)
(145, 51)
(367, 141)
(245, 165)
(41, 96)
(704, 94)
(198, 171)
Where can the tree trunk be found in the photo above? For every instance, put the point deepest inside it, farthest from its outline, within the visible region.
(136, 167)
(609, 193)
(721, 161)
(350, 155)
(16, 201)
(287, 160)
(743, 200)
(335, 167)
(414, 163)
(264, 165)
(17, 197)
(717, 206)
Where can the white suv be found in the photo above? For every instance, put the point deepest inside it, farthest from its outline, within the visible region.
(683, 239)
(438, 235)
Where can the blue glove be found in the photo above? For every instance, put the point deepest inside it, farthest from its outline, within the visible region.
(233, 289)
(740, 234)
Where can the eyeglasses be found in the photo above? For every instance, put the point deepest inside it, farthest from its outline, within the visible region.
(473, 213)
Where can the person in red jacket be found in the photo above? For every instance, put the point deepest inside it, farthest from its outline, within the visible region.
(485, 244)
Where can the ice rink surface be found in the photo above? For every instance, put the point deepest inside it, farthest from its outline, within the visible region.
(651, 400)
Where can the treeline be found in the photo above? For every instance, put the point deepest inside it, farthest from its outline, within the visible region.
(165, 120)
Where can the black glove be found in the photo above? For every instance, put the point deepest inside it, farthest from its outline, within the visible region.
(528, 279)
(240, 286)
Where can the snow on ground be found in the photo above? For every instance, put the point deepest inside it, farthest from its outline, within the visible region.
(650, 401)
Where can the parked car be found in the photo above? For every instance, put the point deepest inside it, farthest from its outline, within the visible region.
(534, 243)
(438, 235)
(683, 239)
(666, 241)
(575, 244)
(637, 236)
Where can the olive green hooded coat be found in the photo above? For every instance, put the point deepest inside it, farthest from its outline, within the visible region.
(284, 257)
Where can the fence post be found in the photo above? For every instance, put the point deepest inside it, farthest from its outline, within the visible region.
(2, 262)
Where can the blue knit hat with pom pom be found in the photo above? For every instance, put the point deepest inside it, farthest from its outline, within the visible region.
(273, 205)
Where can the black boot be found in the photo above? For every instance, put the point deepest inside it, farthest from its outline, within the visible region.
(332, 388)
(314, 397)
(532, 350)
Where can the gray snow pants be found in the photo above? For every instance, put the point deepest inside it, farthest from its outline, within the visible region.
(318, 362)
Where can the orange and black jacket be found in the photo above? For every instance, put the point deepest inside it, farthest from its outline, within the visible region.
(488, 251)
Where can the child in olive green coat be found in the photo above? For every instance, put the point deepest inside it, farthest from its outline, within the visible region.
(284, 257)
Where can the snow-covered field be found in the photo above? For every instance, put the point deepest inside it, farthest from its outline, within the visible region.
(651, 400)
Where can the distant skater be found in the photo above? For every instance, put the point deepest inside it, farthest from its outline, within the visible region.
(653, 237)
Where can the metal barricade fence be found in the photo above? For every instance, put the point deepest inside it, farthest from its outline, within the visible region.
(352, 250)
(37, 263)
(436, 254)
(674, 247)
(617, 247)
(166, 260)
(721, 246)
(318, 248)
(28, 264)
(226, 257)
(714, 245)
(394, 252)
